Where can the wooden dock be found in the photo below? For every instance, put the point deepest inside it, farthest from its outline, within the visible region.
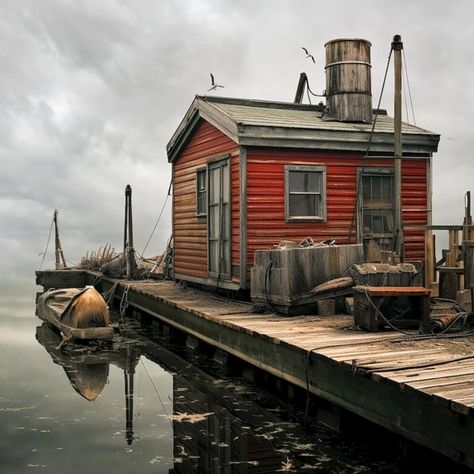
(421, 389)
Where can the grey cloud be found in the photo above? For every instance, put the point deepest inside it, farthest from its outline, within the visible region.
(90, 93)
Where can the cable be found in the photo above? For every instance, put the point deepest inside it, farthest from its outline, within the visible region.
(409, 89)
(310, 91)
(158, 220)
(405, 98)
(47, 243)
(157, 393)
(379, 102)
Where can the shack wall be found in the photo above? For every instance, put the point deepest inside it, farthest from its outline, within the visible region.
(189, 230)
(266, 224)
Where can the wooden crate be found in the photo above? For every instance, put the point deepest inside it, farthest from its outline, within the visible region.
(387, 298)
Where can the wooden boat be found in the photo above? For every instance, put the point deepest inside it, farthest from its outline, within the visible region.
(87, 373)
(78, 313)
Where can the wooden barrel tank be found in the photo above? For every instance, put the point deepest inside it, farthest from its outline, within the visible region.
(348, 84)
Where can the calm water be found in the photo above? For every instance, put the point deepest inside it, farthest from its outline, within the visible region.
(146, 406)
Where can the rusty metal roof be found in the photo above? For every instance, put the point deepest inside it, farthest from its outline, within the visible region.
(283, 124)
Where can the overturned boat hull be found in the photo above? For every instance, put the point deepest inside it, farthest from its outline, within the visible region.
(78, 313)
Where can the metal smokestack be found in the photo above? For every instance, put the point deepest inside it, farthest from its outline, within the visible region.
(348, 80)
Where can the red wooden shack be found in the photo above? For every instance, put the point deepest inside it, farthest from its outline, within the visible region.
(248, 174)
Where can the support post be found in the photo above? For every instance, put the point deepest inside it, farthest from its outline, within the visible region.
(467, 231)
(128, 250)
(60, 260)
(397, 47)
(429, 258)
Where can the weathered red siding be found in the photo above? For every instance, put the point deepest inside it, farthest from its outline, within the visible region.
(266, 198)
(190, 231)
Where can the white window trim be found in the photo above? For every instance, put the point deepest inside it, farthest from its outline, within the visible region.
(309, 168)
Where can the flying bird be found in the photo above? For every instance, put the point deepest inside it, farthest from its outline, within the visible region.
(308, 54)
(214, 86)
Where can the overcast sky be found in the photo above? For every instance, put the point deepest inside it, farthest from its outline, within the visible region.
(91, 91)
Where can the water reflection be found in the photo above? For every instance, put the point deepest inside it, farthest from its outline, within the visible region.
(88, 370)
(143, 407)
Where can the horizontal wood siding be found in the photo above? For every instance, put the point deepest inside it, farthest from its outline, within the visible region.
(235, 213)
(266, 204)
(190, 231)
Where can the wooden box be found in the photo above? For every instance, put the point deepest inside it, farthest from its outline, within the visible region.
(402, 306)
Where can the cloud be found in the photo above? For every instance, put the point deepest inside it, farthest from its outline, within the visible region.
(90, 93)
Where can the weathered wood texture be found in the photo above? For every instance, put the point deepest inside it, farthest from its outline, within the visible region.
(386, 394)
(266, 199)
(286, 277)
(348, 83)
(189, 230)
(62, 278)
(423, 390)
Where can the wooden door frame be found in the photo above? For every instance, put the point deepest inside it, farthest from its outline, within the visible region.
(216, 163)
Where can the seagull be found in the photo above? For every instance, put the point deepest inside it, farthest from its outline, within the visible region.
(214, 86)
(308, 55)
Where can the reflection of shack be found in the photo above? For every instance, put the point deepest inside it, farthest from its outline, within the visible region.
(208, 438)
(88, 373)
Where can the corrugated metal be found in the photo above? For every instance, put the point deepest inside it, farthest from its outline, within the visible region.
(266, 205)
(190, 231)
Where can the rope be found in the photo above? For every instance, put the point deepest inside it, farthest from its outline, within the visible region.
(158, 220)
(47, 243)
(409, 89)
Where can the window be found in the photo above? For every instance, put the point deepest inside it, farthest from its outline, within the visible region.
(305, 188)
(376, 211)
(201, 192)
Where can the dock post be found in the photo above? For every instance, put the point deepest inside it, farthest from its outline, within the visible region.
(60, 260)
(128, 250)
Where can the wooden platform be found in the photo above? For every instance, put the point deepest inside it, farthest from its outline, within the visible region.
(420, 389)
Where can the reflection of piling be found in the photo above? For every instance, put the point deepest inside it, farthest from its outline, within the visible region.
(128, 251)
(128, 373)
(60, 260)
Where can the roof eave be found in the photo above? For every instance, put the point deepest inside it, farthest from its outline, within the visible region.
(209, 112)
(356, 141)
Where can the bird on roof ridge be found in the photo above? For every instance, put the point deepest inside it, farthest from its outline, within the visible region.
(308, 54)
(214, 85)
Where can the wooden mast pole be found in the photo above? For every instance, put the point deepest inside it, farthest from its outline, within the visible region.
(397, 47)
(129, 252)
(60, 260)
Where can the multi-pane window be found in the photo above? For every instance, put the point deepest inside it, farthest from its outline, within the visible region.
(201, 192)
(376, 220)
(305, 192)
(377, 205)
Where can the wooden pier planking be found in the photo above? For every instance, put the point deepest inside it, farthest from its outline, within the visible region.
(411, 401)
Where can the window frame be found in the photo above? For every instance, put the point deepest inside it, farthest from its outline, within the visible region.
(306, 168)
(363, 172)
(201, 170)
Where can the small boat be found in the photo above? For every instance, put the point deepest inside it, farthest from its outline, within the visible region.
(78, 313)
(87, 373)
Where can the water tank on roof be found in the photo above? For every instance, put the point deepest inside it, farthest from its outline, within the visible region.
(348, 80)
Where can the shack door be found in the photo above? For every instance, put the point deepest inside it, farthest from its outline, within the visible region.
(219, 231)
(376, 211)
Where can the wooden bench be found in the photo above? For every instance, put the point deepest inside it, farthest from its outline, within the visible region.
(402, 306)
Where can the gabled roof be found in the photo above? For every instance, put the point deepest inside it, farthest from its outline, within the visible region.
(283, 124)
